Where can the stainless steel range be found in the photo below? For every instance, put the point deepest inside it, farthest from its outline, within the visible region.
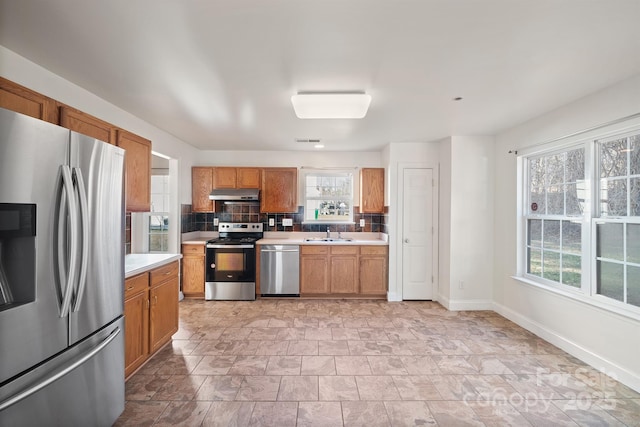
(231, 262)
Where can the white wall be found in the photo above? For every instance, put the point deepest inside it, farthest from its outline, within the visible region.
(601, 338)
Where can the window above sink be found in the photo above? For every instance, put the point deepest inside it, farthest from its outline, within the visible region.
(328, 196)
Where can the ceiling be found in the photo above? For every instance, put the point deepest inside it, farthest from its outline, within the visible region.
(219, 74)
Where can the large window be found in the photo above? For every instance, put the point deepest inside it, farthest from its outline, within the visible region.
(557, 197)
(158, 225)
(618, 225)
(581, 218)
(328, 196)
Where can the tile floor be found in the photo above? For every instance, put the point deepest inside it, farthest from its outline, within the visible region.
(365, 363)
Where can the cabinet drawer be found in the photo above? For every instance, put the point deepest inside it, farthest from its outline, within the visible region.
(373, 250)
(193, 249)
(163, 273)
(308, 249)
(344, 250)
(135, 284)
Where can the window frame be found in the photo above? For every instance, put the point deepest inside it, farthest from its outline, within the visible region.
(337, 172)
(591, 216)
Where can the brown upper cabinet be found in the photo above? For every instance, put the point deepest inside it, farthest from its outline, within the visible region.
(229, 177)
(86, 124)
(137, 171)
(25, 101)
(201, 185)
(248, 178)
(372, 190)
(224, 177)
(279, 190)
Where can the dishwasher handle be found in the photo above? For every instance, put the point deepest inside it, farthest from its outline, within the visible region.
(280, 250)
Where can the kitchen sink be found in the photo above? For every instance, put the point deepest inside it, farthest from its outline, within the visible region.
(328, 239)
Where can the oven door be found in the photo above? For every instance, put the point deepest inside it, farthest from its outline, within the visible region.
(231, 263)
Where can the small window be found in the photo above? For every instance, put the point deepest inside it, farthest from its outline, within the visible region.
(328, 196)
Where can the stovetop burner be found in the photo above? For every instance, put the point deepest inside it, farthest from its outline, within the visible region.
(234, 233)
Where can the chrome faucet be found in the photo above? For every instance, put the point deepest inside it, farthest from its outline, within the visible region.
(328, 233)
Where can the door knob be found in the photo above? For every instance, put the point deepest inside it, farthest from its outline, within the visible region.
(406, 240)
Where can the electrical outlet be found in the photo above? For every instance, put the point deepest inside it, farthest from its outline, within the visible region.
(215, 221)
(287, 222)
(362, 223)
(461, 284)
(272, 222)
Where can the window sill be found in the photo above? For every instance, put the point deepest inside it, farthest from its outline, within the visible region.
(597, 301)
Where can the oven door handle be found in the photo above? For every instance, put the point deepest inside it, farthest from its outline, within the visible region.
(230, 246)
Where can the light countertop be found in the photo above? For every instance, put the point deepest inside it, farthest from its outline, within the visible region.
(297, 238)
(139, 263)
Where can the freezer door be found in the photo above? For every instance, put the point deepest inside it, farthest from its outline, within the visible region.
(98, 168)
(83, 386)
(31, 329)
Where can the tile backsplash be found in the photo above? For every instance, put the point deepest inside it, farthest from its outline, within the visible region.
(250, 212)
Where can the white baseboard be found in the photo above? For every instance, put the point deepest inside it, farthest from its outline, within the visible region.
(465, 305)
(392, 296)
(621, 374)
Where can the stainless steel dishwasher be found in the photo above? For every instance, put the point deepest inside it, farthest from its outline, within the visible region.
(280, 270)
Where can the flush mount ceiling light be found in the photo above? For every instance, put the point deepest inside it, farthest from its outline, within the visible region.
(331, 105)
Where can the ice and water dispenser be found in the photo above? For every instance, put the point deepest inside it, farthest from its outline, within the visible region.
(17, 254)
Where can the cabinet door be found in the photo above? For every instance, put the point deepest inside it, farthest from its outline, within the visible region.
(248, 178)
(25, 101)
(279, 190)
(373, 275)
(372, 190)
(201, 186)
(193, 270)
(138, 171)
(314, 278)
(224, 177)
(164, 313)
(86, 124)
(344, 274)
(136, 330)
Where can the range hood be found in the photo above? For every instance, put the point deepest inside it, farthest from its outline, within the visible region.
(235, 194)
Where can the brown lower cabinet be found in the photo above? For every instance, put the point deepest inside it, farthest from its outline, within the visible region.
(193, 258)
(150, 313)
(343, 270)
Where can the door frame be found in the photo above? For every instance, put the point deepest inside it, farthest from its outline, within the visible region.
(400, 224)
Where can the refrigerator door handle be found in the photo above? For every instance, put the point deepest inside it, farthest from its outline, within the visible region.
(56, 375)
(67, 199)
(84, 217)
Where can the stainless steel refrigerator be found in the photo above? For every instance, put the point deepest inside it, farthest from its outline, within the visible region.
(61, 276)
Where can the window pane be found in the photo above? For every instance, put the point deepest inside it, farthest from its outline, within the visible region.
(571, 270)
(571, 237)
(555, 169)
(551, 235)
(535, 262)
(633, 243)
(613, 197)
(610, 280)
(575, 166)
(634, 197)
(555, 200)
(536, 173)
(634, 154)
(633, 285)
(610, 241)
(551, 268)
(535, 233)
(537, 205)
(574, 200)
(613, 158)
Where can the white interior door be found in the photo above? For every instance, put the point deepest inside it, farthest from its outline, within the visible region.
(417, 234)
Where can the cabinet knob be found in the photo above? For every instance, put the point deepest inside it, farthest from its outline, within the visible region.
(406, 240)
